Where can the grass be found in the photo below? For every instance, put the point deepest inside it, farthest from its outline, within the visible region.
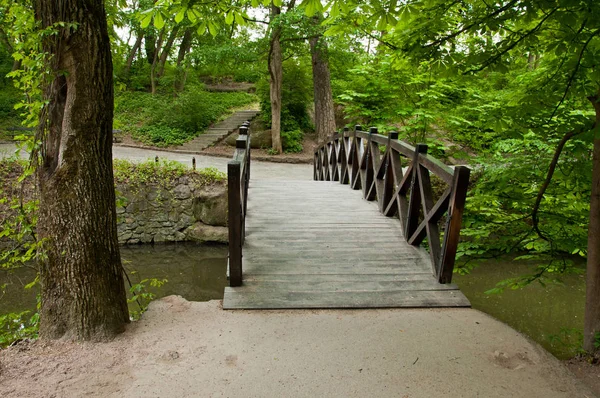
(162, 120)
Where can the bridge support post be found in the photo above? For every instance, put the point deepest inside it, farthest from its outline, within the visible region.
(235, 222)
(452, 234)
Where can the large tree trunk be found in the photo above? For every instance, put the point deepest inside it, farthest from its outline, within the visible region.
(276, 82)
(83, 294)
(184, 49)
(592, 297)
(323, 98)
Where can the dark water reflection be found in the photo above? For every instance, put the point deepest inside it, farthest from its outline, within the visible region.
(196, 272)
(538, 311)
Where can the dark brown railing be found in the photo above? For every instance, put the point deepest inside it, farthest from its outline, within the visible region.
(355, 158)
(238, 177)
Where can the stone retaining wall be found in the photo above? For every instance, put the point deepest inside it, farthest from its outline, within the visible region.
(174, 212)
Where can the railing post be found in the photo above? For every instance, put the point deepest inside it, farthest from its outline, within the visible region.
(412, 219)
(245, 131)
(456, 207)
(235, 222)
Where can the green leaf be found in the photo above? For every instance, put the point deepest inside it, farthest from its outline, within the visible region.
(146, 21)
(180, 15)
(239, 19)
(159, 22)
(212, 28)
(229, 18)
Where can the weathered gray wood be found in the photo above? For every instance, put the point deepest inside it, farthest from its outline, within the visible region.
(238, 299)
(324, 246)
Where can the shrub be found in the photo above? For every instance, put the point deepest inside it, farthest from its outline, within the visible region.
(292, 141)
(296, 97)
(162, 120)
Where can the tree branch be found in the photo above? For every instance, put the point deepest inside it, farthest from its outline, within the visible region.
(549, 174)
(471, 25)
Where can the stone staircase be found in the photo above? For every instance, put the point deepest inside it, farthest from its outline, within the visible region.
(217, 132)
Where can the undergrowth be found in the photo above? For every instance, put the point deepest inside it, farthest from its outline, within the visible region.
(162, 120)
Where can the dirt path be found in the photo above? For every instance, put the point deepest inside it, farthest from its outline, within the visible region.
(260, 169)
(188, 349)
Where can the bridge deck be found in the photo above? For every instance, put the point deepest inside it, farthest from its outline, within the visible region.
(314, 246)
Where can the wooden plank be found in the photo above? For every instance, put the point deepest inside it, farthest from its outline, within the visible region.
(293, 278)
(288, 300)
(315, 284)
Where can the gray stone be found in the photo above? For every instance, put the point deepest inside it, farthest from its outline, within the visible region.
(182, 191)
(259, 139)
(210, 205)
(200, 232)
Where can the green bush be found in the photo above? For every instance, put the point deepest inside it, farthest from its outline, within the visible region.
(162, 120)
(292, 141)
(296, 97)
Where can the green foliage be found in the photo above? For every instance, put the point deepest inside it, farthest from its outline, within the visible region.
(18, 326)
(162, 173)
(296, 96)
(141, 295)
(162, 120)
(292, 141)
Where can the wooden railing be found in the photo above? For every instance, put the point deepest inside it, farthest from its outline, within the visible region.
(238, 178)
(356, 158)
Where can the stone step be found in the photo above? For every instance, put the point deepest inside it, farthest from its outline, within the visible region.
(219, 131)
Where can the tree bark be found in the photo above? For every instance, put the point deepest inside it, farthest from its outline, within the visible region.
(165, 51)
(154, 64)
(323, 97)
(83, 294)
(134, 50)
(592, 297)
(150, 45)
(276, 81)
(184, 49)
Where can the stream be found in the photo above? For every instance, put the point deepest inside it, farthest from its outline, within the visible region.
(197, 272)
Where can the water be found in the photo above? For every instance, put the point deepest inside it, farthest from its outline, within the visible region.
(537, 311)
(197, 272)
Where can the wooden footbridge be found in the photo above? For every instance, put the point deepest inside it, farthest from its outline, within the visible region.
(351, 238)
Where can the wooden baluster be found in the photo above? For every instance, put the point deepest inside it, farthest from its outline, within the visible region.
(369, 190)
(235, 222)
(344, 178)
(414, 203)
(316, 166)
(460, 184)
(388, 181)
(355, 180)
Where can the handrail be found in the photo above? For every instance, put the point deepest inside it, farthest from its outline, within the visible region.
(238, 178)
(355, 158)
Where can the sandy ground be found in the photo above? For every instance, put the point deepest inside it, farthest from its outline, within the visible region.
(189, 349)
